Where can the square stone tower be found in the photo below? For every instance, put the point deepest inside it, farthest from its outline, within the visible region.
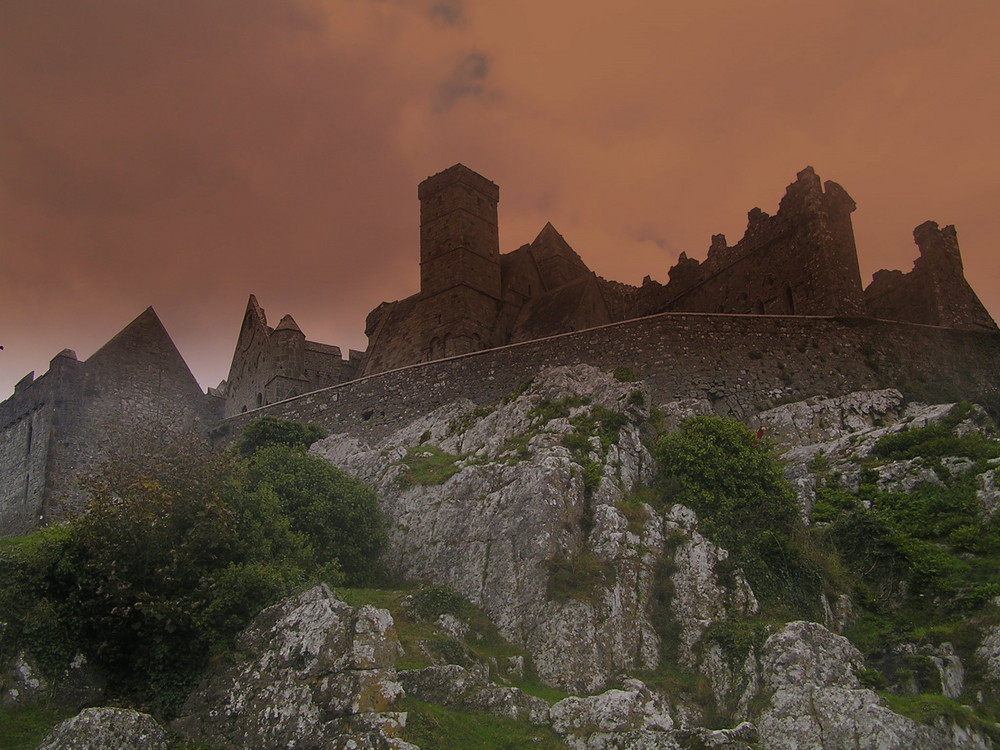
(460, 284)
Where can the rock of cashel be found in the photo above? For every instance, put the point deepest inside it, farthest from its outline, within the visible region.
(780, 315)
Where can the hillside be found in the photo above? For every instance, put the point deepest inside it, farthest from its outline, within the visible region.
(604, 571)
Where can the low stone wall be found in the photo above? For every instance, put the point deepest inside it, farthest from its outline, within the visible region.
(741, 363)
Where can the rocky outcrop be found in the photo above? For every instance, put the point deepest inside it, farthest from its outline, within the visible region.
(100, 728)
(310, 671)
(532, 502)
(699, 599)
(817, 700)
(22, 683)
(456, 687)
(840, 433)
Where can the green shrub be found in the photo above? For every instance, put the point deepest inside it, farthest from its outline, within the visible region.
(744, 504)
(578, 577)
(428, 464)
(627, 374)
(177, 549)
(337, 515)
(268, 430)
(432, 601)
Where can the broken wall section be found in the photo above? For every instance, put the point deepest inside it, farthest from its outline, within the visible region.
(801, 261)
(935, 292)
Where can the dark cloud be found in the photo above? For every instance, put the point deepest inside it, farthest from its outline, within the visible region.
(447, 12)
(468, 80)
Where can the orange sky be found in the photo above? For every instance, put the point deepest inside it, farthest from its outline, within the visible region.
(186, 154)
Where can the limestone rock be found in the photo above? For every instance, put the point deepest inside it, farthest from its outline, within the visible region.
(632, 714)
(309, 670)
(449, 684)
(107, 729)
(988, 655)
(78, 686)
(699, 600)
(454, 686)
(516, 508)
(510, 703)
(987, 494)
(817, 701)
(820, 419)
(734, 683)
(851, 427)
(904, 476)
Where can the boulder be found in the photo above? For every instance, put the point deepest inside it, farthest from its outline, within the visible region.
(107, 729)
(817, 701)
(309, 671)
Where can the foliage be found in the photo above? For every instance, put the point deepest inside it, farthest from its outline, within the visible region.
(929, 708)
(737, 638)
(434, 727)
(336, 515)
(625, 374)
(744, 504)
(578, 576)
(177, 548)
(432, 601)
(269, 430)
(24, 728)
(428, 464)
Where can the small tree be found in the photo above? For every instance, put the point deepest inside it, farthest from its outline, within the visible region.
(337, 515)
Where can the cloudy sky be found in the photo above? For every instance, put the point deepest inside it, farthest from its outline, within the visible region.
(184, 154)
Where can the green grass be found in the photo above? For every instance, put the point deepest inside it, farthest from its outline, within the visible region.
(927, 708)
(428, 464)
(433, 727)
(25, 728)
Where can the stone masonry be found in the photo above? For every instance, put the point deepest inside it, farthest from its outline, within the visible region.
(779, 315)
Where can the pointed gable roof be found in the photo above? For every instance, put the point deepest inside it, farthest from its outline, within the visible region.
(142, 348)
(288, 323)
(557, 262)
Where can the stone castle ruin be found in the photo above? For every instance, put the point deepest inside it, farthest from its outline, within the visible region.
(789, 292)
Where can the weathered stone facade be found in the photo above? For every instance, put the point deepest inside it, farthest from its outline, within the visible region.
(801, 261)
(935, 291)
(737, 364)
(59, 425)
(780, 314)
(272, 364)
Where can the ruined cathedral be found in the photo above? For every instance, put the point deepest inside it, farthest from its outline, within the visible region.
(800, 263)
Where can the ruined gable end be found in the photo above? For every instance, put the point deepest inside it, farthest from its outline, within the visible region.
(58, 426)
(274, 364)
(935, 292)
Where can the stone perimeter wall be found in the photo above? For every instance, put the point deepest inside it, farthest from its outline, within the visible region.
(741, 363)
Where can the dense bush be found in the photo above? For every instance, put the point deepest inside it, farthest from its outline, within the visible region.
(265, 431)
(337, 515)
(734, 483)
(177, 548)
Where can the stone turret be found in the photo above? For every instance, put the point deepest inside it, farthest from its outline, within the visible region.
(459, 238)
